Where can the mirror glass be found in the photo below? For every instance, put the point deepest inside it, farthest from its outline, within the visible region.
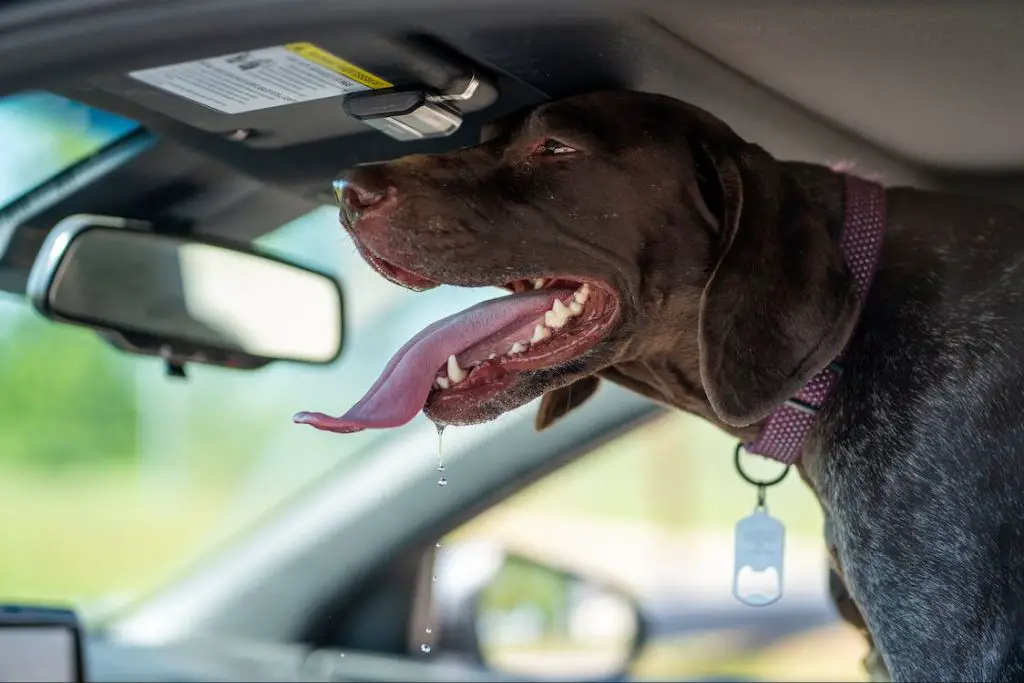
(209, 296)
(33, 653)
(534, 620)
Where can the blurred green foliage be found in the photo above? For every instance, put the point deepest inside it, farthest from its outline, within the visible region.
(522, 582)
(64, 398)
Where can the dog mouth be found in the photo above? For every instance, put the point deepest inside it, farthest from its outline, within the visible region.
(455, 365)
(564, 319)
(395, 273)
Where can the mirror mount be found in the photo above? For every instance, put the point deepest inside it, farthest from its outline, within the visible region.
(177, 356)
(184, 298)
(176, 370)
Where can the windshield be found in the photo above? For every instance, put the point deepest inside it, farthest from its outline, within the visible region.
(44, 134)
(125, 474)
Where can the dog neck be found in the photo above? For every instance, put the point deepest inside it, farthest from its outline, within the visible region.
(782, 435)
(671, 374)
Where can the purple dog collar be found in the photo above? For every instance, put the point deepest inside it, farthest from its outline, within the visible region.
(782, 436)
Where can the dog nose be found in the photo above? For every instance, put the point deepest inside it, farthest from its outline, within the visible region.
(359, 198)
(357, 194)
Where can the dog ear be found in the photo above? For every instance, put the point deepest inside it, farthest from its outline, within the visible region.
(556, 404)
(780, 303)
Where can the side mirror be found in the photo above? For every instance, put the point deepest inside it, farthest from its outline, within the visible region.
(521, 617)
(184, 298)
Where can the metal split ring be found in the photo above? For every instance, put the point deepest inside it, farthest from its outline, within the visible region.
(755, 482)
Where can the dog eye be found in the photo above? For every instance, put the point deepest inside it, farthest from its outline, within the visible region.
(552, 147)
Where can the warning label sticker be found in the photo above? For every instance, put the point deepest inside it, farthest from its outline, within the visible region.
(261, 79)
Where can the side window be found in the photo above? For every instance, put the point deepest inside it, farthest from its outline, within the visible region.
(644, 524)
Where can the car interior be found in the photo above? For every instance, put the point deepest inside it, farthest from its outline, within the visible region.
(344, 579)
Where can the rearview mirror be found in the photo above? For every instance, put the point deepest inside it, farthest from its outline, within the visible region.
(184, 298)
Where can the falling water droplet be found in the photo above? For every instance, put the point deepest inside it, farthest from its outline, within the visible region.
(435, 578)
(341, 654)
(440, 457)
(438, 544)
(429, 630)
(425, 648)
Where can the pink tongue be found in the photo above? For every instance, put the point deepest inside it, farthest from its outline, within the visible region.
(401, 390)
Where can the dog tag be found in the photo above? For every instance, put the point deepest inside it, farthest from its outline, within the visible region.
(757, 574)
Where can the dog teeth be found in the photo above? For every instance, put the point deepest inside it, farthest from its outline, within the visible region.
(554, 319)
(455, 373)
(540, 333)
(558, 316)
(581, 295)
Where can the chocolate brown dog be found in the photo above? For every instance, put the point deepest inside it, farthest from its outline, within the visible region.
(647, 244)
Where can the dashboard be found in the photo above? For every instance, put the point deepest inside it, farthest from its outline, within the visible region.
(217, 661)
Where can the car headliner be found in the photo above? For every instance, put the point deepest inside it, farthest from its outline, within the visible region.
(922, 92)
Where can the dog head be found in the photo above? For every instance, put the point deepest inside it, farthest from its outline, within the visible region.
(679, 260)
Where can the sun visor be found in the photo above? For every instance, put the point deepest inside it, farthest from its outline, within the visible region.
(293, 93)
